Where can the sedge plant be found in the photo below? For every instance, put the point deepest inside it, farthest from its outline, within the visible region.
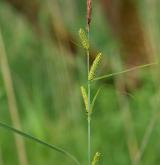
(84, 36)
(86, 94)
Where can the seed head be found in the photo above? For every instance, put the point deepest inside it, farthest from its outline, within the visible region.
(84, 39)
(94, 66)
(96, 158)
(85, 97)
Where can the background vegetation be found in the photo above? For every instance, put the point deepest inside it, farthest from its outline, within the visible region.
(47, 66)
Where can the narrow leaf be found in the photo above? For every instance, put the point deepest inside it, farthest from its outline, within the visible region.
(94, 99)
(53, 147)
(124, 71)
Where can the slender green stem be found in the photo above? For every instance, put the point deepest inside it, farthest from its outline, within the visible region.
(89, 140)
(89, 112)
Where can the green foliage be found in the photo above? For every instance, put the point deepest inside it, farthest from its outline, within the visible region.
(46, 81)
(5, 126)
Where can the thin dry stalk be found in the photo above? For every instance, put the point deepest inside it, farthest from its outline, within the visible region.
(145, 140)
(89, 13)
(128, 126)
(152, 31)
(13, 110)
(127, 116)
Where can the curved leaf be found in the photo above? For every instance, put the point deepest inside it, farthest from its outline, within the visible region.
(53, 147)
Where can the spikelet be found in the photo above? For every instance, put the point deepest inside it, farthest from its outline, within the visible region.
(94, 66)
(85, 97)
(96, 158)
(84, 39)
(89, 12)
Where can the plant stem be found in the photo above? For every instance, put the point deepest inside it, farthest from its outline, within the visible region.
(89, 140)
(89, 109)
(12, 104)
(89, 12)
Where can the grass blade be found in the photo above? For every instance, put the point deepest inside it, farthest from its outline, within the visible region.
(12, 102)
(94, 99)
(53, 147)
(124, 71)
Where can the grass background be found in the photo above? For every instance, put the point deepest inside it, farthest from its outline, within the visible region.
(46, 83)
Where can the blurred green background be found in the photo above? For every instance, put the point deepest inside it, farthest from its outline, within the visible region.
(43, 66)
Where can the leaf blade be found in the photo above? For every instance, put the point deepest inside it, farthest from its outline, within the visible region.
(53, 147)
(94, 99)
(124, 71)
